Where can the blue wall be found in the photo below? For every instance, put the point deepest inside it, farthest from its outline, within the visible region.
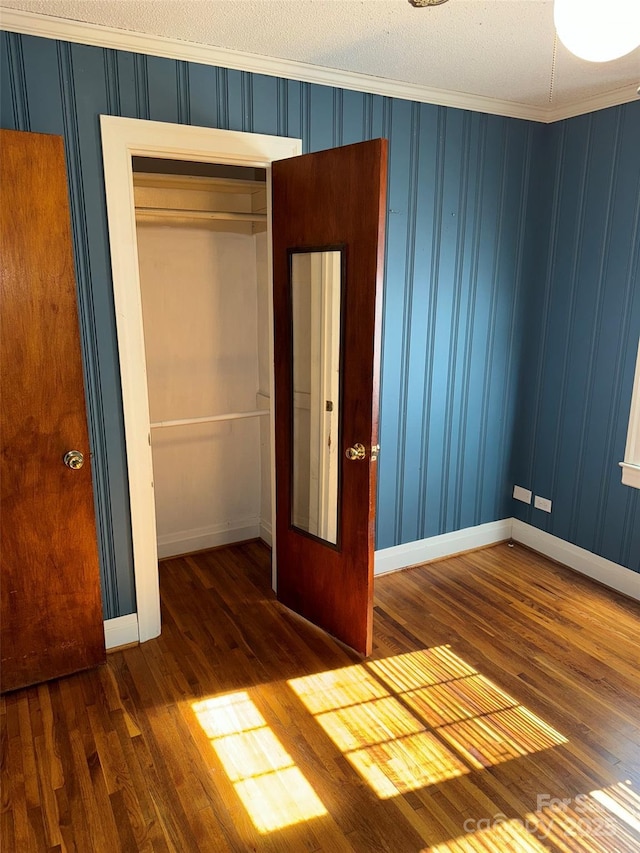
(466, 227)
(457, 203)
(581, 336)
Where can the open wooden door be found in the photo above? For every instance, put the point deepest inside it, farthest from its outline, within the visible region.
(328, 247)
(52, 621)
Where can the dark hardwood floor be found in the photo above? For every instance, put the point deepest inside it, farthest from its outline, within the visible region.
(500, 711)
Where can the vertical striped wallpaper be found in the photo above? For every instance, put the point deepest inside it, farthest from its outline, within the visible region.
(583, 327)
(458, 195)
(463, 237)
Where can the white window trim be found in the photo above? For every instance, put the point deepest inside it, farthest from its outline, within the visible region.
(631, 465)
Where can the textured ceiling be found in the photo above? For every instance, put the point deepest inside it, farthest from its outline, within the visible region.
(501, 49)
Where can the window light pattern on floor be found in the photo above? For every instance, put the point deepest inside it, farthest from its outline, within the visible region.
(622, 801)
(505, 836)
(607, 819)
(264, 776)
(420, 718)
(604, 821)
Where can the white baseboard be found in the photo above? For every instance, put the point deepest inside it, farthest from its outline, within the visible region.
(124, 629)
(186, 541)
(265, 532)
(580, 560)
(121, 631)
(436, 547)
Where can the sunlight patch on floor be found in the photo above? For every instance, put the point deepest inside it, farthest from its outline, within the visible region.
(504, 837)
(413, 670)
(272, 789)
(420, 718)
(405, 764)
(606, 820)
(621, 801)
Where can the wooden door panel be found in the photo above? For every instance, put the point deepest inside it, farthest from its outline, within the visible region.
(51, 608)
(328, 199)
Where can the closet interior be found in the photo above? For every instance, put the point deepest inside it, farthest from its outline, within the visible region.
(202, 252)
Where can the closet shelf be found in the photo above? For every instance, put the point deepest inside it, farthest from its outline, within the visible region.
(154, 181)
(170, 214)
(230, 416)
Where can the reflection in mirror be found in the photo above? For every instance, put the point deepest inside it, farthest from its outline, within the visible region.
(315, 297)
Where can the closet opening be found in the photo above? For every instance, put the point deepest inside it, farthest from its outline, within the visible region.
(122, 140)
(203, 258)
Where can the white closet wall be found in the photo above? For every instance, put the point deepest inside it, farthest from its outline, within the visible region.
(207, 354)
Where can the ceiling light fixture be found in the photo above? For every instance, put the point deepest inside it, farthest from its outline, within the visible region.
(598, 31)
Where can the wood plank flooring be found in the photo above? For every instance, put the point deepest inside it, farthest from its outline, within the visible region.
(500, 711)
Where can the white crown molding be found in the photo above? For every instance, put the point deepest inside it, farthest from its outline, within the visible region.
(625, 95)
(47, 26)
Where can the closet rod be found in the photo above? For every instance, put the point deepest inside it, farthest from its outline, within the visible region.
(231, 416)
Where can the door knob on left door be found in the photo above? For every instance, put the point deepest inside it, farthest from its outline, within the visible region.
(73, 459)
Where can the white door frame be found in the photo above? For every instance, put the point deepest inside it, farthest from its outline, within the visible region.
(123, 138)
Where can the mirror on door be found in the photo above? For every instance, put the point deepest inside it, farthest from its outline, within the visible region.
(316, 284)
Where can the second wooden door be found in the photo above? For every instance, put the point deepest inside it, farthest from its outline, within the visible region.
(52, 621)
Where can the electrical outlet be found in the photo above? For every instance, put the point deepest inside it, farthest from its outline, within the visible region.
(521, 494)
(542, 503)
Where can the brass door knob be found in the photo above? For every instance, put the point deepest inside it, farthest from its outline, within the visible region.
(356, 452)
(73, 459)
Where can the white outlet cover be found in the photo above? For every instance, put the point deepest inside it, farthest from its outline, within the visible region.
(521, 494)
(542, 503)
